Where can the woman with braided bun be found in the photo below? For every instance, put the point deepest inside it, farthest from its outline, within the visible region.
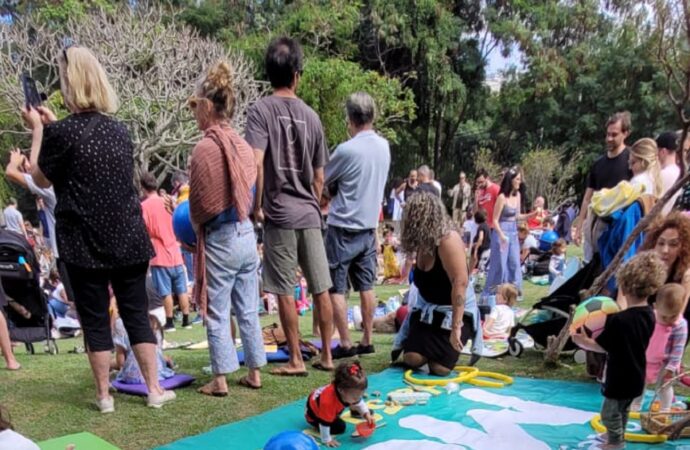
(222, 187)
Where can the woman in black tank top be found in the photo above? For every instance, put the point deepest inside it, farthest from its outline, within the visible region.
(436, 333)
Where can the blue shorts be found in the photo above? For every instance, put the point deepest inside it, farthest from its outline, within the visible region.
(351, 255)
(169, 280)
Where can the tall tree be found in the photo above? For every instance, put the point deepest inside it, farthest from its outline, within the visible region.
(426, 45)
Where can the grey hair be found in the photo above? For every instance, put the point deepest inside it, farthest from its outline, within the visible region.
(360, 109)
(424, 171)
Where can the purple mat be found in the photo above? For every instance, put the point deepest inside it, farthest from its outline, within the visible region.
(178, 381)
(317, 343)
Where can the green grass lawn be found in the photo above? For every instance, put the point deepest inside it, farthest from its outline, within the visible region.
(53, 395)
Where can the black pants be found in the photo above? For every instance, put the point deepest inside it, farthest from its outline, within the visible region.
(337, 427)
(64, 278)
(92, 300)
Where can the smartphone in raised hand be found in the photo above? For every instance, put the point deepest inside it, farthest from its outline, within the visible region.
(31, 96)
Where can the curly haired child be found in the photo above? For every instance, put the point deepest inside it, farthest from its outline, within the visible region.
(666, 346)
(327, 403)
(625, 339)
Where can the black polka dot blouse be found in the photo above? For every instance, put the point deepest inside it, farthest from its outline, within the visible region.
(98, 214)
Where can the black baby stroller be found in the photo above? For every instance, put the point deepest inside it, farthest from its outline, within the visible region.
(550, 314)
(537, 262)
(25, 303)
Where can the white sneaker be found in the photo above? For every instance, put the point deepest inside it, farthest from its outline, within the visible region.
(106, 405)
(157, 401)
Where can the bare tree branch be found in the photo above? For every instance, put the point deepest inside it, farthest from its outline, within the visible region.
(154, 63)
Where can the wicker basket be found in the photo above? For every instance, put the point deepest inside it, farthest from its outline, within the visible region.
(654, 422)
(658, 422)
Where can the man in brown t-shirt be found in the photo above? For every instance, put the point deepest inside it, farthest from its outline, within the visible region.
(291, 153)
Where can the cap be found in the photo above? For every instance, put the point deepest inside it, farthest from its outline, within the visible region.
(668, 140)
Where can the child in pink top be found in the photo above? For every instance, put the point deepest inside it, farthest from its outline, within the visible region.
(665, 349)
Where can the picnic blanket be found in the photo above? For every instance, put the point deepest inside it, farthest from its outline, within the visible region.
(530, 414)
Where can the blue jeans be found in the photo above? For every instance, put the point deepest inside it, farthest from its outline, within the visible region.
(232, 279)
(188, 264)
(57, 308)
(504, 263)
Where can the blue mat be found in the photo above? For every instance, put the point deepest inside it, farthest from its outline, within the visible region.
(530, 414)
(281, 355)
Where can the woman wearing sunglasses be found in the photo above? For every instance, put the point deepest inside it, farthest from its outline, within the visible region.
(102, 239)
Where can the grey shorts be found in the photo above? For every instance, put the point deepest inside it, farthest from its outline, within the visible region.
(351, 253)
(284, 249)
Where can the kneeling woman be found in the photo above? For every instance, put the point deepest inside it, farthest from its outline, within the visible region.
(437, 332)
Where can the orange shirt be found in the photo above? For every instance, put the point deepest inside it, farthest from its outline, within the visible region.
(325, 404)
(159, 226)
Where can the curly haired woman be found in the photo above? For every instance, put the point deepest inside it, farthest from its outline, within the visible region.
(669, 237)
(437, 332)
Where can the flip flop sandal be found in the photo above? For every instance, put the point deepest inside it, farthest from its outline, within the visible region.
(210, 393)
(282, 372)
(244, 381)
(318, 366)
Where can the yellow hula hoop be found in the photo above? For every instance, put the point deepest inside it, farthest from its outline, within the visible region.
(465, 374)
(503, 380)
(632, 437)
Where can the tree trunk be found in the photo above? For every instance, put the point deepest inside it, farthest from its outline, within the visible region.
(437, 137)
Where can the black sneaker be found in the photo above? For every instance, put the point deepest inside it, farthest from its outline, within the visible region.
(395, 354)
(169, 328)
(365, 349)
(341, 352)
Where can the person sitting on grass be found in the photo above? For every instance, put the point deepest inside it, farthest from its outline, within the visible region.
(502, 317)
(10, 439)
(527, 242)
(557, 262)
(327, 403)
(438, 326)
(125, 360)
(665, 349)
(624, 339)
(58, 303)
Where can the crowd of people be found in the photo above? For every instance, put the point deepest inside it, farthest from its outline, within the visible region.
(113, 260)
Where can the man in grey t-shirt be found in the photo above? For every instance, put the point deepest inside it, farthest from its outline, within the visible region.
(13, 218)
(290, 150)
(356, 176)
